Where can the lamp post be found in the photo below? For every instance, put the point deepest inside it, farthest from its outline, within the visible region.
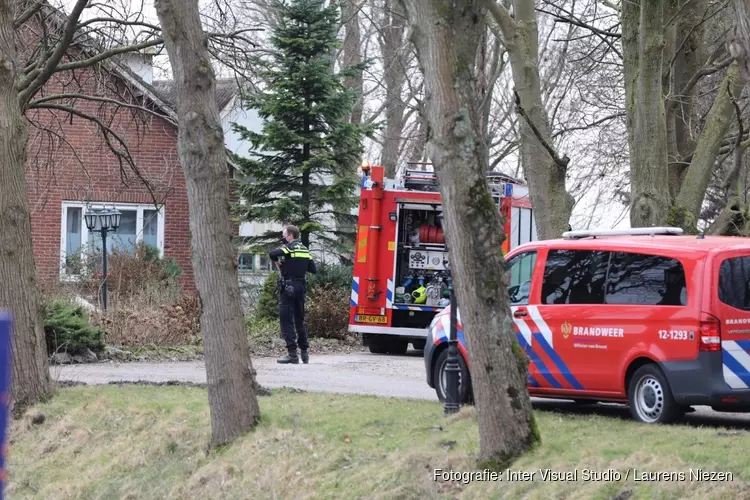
(452, 369)
(103, 221)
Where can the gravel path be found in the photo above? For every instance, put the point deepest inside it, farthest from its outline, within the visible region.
(358, 373)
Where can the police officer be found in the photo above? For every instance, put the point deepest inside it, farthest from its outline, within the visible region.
(293, 260)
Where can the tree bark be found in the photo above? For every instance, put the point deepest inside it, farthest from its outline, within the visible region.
(19, 293)
(688, 202)
(416, 147)
(739, 42)
(630, 20)
(687, 50)
(492, 75)
(353, 54)
(446, 35)
(551, 201)
(649, 197)
(393, 29)
(231, 382)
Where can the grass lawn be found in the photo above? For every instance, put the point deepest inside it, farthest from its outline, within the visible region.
(135, 442)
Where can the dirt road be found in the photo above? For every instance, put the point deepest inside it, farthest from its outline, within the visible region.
(360, 373)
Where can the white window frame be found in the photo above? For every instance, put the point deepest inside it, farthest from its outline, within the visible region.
(139, 207)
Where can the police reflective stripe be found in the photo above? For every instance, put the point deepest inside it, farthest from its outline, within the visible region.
(300, 254)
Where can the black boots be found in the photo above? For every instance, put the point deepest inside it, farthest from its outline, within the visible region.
(292, 358)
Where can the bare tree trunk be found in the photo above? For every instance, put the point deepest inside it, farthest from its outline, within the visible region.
(416, 150)
(734, 219)
(630, 19)
(649, 197)
(19, 293)
(551, 201)
(393, 27)
(446, 36)
(688, 202)
(353, 54)
(739, 42)
(230, 375)
(496, 67)
(681, 116)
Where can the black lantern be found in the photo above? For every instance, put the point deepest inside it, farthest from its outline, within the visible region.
(103, 221)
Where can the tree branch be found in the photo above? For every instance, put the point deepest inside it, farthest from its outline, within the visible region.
(731, 180)
(38, 78)
(122, 22)
(502, 18)
(123, 49)
(590, 125)
(123, 156)
(55, 97)
(577, 22)
(671, 104)
(561, 163)
(27, 14)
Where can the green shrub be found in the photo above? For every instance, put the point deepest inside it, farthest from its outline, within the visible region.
(327, 305)
(330, 276)
(268, 300)
(67, 329)
(327, 313)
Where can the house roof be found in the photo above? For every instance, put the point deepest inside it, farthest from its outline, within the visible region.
(162, 93)
(167, 91)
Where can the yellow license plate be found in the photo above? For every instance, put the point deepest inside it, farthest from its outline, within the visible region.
(366, 318)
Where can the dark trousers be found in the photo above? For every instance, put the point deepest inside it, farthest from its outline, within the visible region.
(291, 315)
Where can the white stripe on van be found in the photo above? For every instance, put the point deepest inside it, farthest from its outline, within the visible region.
(544, 329)
(522, 326)
(733, 380)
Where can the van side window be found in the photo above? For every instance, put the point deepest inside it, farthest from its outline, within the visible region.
(734, 283)
(574, 277)
(518, 276)
(645, 280)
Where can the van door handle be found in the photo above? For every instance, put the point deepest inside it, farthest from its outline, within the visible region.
(520, 313)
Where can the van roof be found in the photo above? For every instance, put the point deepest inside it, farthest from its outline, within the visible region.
(672, 244)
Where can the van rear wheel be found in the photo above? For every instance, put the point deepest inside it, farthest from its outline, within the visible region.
(650, 397)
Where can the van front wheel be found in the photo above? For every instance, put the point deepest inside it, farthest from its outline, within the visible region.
(650, 397)
(441, 379)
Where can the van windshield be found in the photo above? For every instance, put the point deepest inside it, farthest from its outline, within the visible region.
(734, 282)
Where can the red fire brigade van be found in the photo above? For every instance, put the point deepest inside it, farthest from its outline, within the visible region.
(401, 276)
(646, 317)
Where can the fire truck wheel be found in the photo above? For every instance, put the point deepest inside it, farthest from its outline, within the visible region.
(650, 398)
(397, 346)
(380, 345)
(441, 378)
(419, 344)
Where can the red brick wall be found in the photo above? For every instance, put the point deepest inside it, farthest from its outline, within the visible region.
(70, 161)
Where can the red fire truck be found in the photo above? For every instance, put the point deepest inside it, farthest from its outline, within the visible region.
(401, 269)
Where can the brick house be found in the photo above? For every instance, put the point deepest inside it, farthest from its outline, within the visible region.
(71, 166)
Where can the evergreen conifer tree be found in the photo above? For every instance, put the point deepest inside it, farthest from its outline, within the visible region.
(302, 166)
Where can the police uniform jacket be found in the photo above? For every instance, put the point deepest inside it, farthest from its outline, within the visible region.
(295, 261)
